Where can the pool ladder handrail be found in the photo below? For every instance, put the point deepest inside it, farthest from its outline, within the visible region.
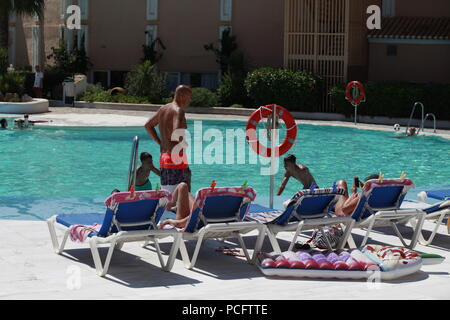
(133, 161)
(423, 119)
(434, 121)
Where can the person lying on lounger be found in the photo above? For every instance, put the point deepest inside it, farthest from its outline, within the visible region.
(183, 202)
(143, 172)
(298, 171)
(347, 204)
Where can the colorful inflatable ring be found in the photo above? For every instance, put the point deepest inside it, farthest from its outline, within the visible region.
(348, 92)
(391, 258)
(265, 112)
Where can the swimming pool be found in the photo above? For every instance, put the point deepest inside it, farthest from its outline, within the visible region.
(88, 163)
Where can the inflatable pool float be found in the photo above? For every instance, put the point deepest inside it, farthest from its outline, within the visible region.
(371, 262)
(429, 258)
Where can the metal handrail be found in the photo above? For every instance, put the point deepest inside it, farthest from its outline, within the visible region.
(434, 121)
(133, 161)
(412, 114)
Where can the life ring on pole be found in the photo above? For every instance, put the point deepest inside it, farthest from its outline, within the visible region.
(265, 112)
(355, 99)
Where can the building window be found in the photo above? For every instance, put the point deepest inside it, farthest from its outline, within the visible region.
(36, 34)
(210, 81)
(194, 79)
(68, 38)
(84, 8)
(64, 5)
(12, 17)
(225, 10)
(103, 77)
(151, 32)
(388, 8)
(391, 50)
(82, 38)
(173, 79)
(12, 46)
(117, 78)
(222, 29)
(152, 9)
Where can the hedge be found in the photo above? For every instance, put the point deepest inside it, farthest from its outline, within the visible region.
(295, 90)
(396, 99)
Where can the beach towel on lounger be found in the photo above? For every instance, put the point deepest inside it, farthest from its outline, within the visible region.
(79, 232)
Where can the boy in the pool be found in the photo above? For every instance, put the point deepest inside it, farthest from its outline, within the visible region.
(143, 172)
(3, 124)
(297, 171)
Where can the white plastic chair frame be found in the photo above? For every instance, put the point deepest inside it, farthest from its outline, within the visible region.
(311, 222)
(117, 240)
(438, 217)
(389, 217)
(217, 230)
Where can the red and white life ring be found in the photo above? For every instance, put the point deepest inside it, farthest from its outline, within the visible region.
(265, 112)
(349, 94)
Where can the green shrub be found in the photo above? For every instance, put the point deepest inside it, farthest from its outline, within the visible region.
(12, 82)
(145, 81)
(292, 89)
(123, 98)
(3, 60)
(202, 97)
(167, 100)
(232, 91)
(91, 93)
(66, 62)
(236, 106)
(95, 93)
(395, 99)
(232, 86)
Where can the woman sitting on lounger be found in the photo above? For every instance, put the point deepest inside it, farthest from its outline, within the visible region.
(347, 204)
(183, 204)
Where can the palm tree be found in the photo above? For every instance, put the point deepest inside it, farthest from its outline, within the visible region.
(19, 7)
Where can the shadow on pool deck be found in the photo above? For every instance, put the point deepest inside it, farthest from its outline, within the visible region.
(216, 264)
(441, 241)
(130, 270)
(418, 276)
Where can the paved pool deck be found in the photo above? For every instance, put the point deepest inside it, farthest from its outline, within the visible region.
(31, 270)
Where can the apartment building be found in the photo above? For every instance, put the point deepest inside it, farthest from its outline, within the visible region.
(115, 30)
(327, 37)
(413, 44)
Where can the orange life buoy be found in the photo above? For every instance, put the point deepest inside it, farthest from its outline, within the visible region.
(349, 95)
(265, 112)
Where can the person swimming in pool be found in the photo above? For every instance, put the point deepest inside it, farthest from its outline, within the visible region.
(184, 203)
(143, 172)
(169, 118)
(22, 123)
(411, 132)
(3, 124)
(298, 171)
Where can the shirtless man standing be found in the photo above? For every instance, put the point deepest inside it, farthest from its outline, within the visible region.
(299, 172)
(170, 117)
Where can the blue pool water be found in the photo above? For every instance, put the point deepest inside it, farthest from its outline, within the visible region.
(86, 164)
